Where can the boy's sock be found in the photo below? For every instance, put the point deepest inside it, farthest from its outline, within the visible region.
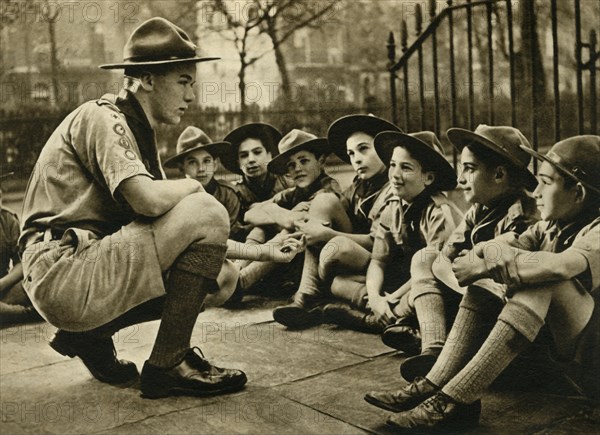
(516, 328)
(309, 283)
(191, 277)
(254, 272)
(477, 313)
(432, 320)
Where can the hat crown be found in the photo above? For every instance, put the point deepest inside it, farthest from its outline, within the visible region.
(508, 139)
(294, 139)
(192, 137)
(158, 39)
(430, 139)
(580, 155)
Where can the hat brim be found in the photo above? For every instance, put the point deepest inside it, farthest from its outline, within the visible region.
(385, 143)
(558, 166)
(124, 65)
(279, 163)
(346, 126)
(216, 149)
(268, 135)
(460, 138)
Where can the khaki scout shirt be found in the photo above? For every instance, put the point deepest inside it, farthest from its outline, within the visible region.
(360, 198)
(226, 194)
(581, 236)
(75, 180)
(9, 235)
(407, 228)
(291, 197)
(513, 214)
(251, 192)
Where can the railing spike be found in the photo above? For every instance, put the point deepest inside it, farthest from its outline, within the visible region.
(418, 18)
(391, 47)
(404, 35)
(432, 9)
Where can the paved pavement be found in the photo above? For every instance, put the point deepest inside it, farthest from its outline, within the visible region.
(303, 382)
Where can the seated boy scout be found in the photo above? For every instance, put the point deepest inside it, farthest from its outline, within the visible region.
(551, 274)
(97, 243)
(253, 147)
(198, 157)
(15, 306)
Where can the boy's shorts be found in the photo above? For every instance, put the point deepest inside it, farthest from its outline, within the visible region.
(80, 281)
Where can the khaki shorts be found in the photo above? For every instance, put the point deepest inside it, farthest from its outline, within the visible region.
(81, 282)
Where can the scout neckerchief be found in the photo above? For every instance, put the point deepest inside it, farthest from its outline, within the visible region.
(304, 194)
(366, 192)
(406, 220)
(142, 131)
(262, 188)
(561, 235)
(211, 187)
(490, 216)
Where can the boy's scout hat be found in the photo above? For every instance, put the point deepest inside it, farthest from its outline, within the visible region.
(158, 42)
(268, 135)
(293, 142)
(577, 157)
(193, 139)
(503, 140)
(346, 126)
(423, 146)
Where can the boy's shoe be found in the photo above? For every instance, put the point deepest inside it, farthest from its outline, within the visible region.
(193, 376)
(298, 316)
(402, 336)
(419, 365)
(438, 412)
(347, 316)
(98, 354)
(405, 398)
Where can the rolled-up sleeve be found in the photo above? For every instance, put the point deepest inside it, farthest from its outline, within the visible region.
(588, 245)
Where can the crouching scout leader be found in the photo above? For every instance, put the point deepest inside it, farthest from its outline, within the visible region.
(102, 231)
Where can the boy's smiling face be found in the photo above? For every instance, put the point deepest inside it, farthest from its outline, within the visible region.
(304, 168)
(555, 200)
(406, 175)
(199, 165)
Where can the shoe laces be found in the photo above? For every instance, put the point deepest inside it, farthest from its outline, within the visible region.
(438, 403)
(196, 348)
(413, 387)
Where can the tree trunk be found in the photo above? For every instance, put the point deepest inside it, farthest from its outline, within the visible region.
(53, 59)
(242, 86)
(281, 64)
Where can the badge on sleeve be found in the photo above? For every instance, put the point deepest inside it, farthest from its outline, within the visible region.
(130, 155)
(119, 129)
(124, 143)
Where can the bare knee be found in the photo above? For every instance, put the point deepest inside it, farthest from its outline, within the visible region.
(324, 205)
(334, 250)
(201, 217)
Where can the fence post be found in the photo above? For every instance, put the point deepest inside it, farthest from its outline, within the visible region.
(391, 49)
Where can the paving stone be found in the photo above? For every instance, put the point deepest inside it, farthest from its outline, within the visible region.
(251, 413)
(340, 393)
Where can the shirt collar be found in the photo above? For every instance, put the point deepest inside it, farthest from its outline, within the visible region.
(132, 108)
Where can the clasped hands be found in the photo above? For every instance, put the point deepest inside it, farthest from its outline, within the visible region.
(494, 259)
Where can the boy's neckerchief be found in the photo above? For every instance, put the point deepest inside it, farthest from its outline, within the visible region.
(561, 234)
(262, 188)
(409, 229)
(366, 191)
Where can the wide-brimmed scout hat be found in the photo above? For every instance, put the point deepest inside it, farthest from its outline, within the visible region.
(503, 140)
(158, 42)
(293, 142)
(268, 135)
(577, 157)
(346, 126)
(193, 139)
(423, 146)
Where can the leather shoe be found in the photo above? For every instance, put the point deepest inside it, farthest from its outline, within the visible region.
(419, 365)
(438, 412)
(402, 336)
(192, 376)
(298, 316)
(346, 315)
(98, 354)
(405, 398)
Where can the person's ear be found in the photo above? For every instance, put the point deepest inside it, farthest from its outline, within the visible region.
(147, 81)
(500, 174)
(428, 178)
(580, 193)
(321, 160)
